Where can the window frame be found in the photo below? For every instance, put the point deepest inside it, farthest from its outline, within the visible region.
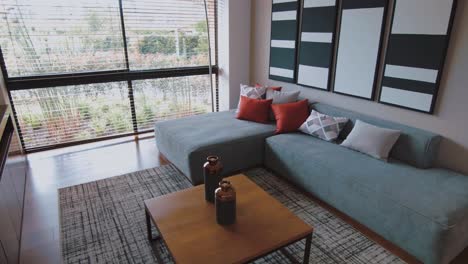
(91, 77)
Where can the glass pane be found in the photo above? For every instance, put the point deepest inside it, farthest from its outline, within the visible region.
(56, 36)
(168, 34)
(170, 98)
(50, 116)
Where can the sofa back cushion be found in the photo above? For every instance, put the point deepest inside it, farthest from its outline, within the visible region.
(415, 146)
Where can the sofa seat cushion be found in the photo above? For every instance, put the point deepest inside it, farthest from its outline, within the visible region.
(422, 211)
(186, 142)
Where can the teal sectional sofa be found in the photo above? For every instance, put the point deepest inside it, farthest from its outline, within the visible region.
(422, 209)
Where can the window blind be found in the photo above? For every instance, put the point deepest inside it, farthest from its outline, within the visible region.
(61, 115)
(169, 98)
(41, 37)
(89, 77)
(50, 116)
(168, 34)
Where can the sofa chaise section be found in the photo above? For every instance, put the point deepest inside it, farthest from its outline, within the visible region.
(186, 142)
(422, 210)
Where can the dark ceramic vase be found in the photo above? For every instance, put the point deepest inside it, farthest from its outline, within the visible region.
(212, 174)
(225, 197)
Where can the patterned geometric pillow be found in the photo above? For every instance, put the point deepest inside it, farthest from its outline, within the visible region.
(251, 92)
(323, 126)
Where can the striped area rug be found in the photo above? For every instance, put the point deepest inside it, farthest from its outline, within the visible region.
(104, 222)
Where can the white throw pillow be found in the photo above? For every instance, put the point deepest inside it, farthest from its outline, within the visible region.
(371, 140)
(323, 126)
(251, 92)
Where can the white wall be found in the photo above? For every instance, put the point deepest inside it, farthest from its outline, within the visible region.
(450, 118)
(233, 49)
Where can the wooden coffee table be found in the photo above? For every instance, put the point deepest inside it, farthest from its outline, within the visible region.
(187, 225)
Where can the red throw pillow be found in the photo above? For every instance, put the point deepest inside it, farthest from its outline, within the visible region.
(256, 110)
(276, 88)
(289, 117)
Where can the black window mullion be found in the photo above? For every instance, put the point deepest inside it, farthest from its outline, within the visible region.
(124, 35)
(127, 63)
(132, 106)
(215, 66)
(24, 83)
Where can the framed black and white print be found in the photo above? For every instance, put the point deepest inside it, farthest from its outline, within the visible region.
(361, 33)
(317, 41)
(416, 52)
(283, 46)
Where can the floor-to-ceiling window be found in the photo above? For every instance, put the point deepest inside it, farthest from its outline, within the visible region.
(81, 70)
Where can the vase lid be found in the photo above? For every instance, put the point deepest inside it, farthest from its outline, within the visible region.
(212, 159)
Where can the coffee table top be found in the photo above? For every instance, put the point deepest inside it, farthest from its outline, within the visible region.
(187, 223)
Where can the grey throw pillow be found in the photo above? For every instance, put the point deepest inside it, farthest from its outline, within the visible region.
(281, 98)
(371, 140)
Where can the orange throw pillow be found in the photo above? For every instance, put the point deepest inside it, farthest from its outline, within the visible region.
(289, 117)
(256, 110)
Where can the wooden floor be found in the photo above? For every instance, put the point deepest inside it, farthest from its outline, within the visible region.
(50, 170)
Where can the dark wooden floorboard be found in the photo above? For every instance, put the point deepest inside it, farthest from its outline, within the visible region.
(50, 170)
(54, 169)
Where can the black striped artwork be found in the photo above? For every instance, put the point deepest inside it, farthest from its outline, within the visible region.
(283, 46)
(317, 40)
(360, 4)
(416, 51)
(359, 45)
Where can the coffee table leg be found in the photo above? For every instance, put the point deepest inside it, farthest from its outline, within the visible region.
(148, 228)
(307, 249)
